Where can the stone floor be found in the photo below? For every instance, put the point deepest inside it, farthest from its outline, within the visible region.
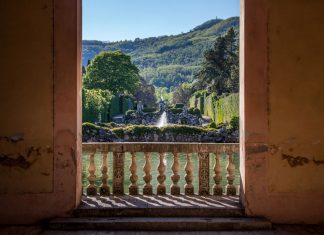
(277, 230)
(166, 201)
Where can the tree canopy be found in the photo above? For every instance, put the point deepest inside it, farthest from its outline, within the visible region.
(220, 69)
(112, 71)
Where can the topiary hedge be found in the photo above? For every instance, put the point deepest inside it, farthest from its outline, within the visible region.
(175, 110)
(178, 105)
(235, 123)
(150, 110)
(212, 125)
(219, 109)
(139, 130)
(90, 128)
(194, 111)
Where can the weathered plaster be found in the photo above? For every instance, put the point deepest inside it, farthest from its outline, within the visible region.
(283, 108)
(26, 92)
(47, 111)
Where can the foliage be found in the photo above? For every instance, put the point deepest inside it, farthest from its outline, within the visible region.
(114, 107)
(235, 123)
(95, 105)
(212, 125)
(109, 124)
(226, 108)
(112, 71)
(166, 61)
(150, 110)
(182, 94)
(194, 111)
(90, 128)
(219, 109)
(163, 92)
(142, 130)
(175, 110)
(200, 93)
(179, 105)
(183, 129)
(118, 131)
(220, 69)
(146, 93)
(130, 112)
(118, 105)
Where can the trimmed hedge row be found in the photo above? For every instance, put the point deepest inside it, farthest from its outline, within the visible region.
(138, 130)
(220, 110)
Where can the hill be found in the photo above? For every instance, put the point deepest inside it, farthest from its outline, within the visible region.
(166, 61)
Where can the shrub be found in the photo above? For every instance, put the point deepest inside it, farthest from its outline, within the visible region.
(200, 93)
(130, 112)
(212, 125)
(194, 111)
(175, 110)
(183, 129)
(114, 106)
(178, 105)
(90, 129)
(149, 110)
(141, 129)
(109, 124)
(119, 131)
(235, 123)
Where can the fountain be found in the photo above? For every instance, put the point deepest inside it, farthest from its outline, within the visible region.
(163, 120)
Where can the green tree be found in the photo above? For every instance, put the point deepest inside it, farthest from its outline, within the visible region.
(95, 105)
(220, 68)
(112, 71)
(182, 94)
(146, 94)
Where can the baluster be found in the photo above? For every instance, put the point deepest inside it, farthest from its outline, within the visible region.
(203, 173)
(175, 188)
(148, 189)
(133, 188)
(118, 173)
(161, 177)
(104, 188)
(230, 188)
(91, 188)
(217, 188)
(189, 188)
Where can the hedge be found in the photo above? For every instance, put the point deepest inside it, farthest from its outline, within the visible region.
(220, 110)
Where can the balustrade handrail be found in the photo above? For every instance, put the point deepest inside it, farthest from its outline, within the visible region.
(120, 148)
(180, 147)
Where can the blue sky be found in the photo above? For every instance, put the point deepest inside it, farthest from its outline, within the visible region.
(112, 20)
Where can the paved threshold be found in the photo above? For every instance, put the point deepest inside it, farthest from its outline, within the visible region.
(160, 206)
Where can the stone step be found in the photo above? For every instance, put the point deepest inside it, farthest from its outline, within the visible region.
(160, 212)
(160, 224)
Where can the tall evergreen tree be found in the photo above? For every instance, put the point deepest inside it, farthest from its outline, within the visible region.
(219, 70)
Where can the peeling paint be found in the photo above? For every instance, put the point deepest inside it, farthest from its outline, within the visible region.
(257, 149)
(20, 161)
(13, 139)
(318, 162)
(295, 161)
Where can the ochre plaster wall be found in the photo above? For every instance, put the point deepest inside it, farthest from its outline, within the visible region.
(40, 92)
(283, 109)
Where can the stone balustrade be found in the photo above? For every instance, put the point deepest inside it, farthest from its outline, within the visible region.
(118, 151)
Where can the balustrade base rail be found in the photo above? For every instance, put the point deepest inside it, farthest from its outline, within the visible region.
(203, 150)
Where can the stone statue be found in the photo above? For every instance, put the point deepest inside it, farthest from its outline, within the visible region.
(140, 107)
(130, 104)
(185, 110)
